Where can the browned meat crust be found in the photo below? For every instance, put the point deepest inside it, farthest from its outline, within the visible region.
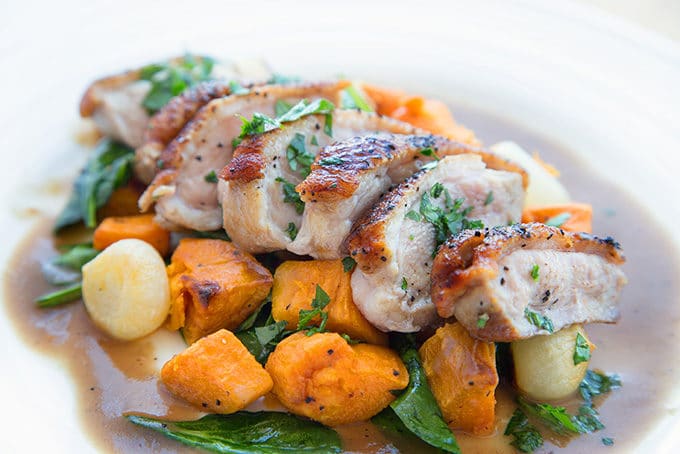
(472, 257)
(359, 155)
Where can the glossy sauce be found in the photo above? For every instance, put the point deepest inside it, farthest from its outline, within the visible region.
(114, 377)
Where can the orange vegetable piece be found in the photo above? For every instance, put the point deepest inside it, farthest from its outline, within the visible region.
(580, 219)
(217, 374)
(123, 201)
(295, 288)
(462, 374)
(429, 114)
(213, 285)
(141, 227)
(323, 378)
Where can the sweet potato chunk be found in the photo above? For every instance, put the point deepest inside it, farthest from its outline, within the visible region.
(295, 288)
(324, 378)
(217, 374)
(140, 227)
(579, 216)
(462, 374)
(429, 114)
(213, 285)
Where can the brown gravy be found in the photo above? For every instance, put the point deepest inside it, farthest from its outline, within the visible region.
(115, 378)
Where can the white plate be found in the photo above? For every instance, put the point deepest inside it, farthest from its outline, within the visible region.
(589, 81)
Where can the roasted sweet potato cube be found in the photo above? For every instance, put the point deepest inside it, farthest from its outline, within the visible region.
(217, 374)
(323, 378)
(578, 217)
(141, 227)
(213, 285)
(295, 287)
(462, 374)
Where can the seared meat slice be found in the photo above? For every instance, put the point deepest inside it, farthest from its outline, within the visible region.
(257, 213)
(356, 173)
(168, 122)
(185, 191)
(393, 243)
(115, 105)
(526, 279)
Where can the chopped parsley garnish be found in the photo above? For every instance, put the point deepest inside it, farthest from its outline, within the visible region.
(448, 220)
(351, 98)
(280, 79)
(526, 437)
(299, 159)
(413, 215)
(489, 198)
(281, 107)
(290, 195)
(581, 350)
(539, 320)
(331, 161)
(320, 301)
(261, 123)
(534, 272)
(607, 441)
(348, 264)
(314, 141)
(211, 177)
(596, 383)
(558, 220)
(430, 153)
(553, 417)
(292, 230)
(237, 89)
(482, 319)
(171, 78)
(404, 284)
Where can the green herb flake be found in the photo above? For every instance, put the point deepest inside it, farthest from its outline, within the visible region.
(555, 418)
(489, 198)
(581, 350)
(596, 383)
(558, 220)
(292, 231)
(259, 124)
(299, 159)
(539, 320)
(607, 441)
(306, 316)
(331, 161)
(267, 433)
(348, 264)
(290, 195)
(429, 152)
(237, 89)
(281, 107)
(352, 98)
(171, 78)
(314, 141)
(526, 438)
(534, 272)
(211, 177)
(481, 320)
(413, 215)
(404, 284)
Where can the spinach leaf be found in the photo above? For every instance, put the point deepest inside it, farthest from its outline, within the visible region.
(171, 78)
(248, 432)
(417, 407)
(526, 437)
(76, 256)
(352, 98)
(61, 296)
(109, 168)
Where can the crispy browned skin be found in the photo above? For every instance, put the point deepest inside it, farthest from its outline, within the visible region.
(472, 257)
(167, 122)
(360, 155)
(249, 158)
(90, 101)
